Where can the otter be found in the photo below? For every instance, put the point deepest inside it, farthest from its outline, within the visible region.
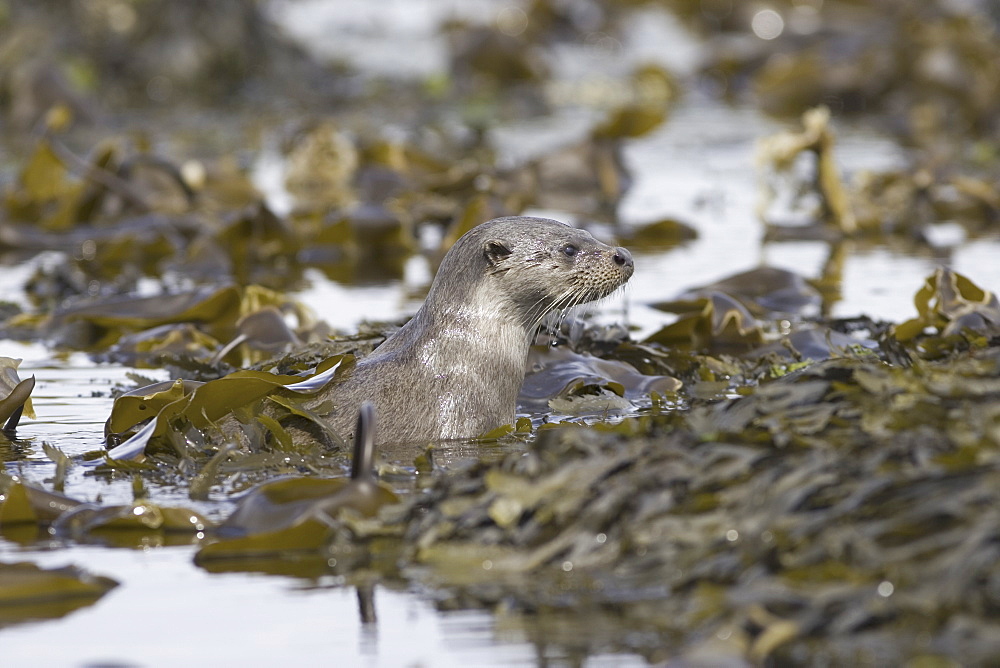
(455, 369)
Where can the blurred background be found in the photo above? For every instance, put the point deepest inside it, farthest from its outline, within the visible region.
(351, 141)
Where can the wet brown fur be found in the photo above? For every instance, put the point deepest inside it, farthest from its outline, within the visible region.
(455, 369)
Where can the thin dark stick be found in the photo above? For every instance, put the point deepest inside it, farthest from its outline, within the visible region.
(364, 443)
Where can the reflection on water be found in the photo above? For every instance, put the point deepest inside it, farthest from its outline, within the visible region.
(209, 619)
(202, 617)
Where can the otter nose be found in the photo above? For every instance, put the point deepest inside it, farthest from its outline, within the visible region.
(622, 257)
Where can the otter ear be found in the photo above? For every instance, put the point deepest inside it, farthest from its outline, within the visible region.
(494, 251)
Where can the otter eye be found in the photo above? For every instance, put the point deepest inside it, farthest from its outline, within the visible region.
(570, 250)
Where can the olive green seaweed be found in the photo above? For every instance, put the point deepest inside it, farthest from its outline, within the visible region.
(15, 394)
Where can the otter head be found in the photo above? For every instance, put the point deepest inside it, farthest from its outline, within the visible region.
(536, 265)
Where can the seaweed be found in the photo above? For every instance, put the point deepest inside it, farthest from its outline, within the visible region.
(755, 481)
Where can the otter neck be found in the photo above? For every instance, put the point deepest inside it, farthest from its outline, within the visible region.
(473, 350)
(475, 325)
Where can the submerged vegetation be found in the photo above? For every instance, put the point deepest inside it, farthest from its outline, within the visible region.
(754, 481)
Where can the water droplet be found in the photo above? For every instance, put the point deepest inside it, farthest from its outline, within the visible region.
(767, 24)
(512, 21)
